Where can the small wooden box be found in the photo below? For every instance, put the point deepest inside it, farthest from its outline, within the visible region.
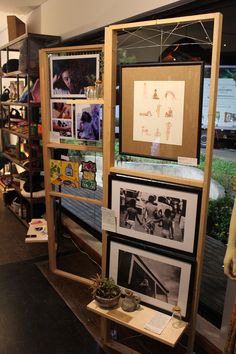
(15, 27)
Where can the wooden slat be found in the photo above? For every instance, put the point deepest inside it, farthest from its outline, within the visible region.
(74, 147)
(75, 197)
(47, 154)
(84, 101)
(194, 18)
(157, 177)
(217, 31)
(76, 49)
(73, 277)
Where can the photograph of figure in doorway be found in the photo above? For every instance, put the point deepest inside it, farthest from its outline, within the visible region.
(156, 212)
(158, 278)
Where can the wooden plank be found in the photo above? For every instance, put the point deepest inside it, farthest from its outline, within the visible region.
(74, 147)
(74, 49)
(73, 277)
(75, 197)
(47, 154)
(215, 61)
(157, 177)
(194, 18)
(137, 319)
(85, 101)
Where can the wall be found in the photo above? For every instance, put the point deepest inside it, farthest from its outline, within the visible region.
(73, 17)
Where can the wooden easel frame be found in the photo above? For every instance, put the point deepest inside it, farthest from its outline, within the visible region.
(48, 148)
(110, 63)
(109, 141)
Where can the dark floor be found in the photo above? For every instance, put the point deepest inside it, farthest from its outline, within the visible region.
(33, 317)
(41, 313)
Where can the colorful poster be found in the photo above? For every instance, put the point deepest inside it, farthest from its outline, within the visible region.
(64, 173)
(55, 172)
(70, 174)
(89, 170)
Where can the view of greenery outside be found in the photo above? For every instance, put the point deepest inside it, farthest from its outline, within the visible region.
(219, 211)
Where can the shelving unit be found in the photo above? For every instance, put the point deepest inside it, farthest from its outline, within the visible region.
(20, 118)
(136, 320)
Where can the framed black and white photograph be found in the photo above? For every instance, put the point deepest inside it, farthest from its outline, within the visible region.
(160, 104)
(161, 280)
(71, 74)
(156, 212)
(88, 121)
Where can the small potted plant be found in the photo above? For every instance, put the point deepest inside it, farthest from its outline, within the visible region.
(105, 292)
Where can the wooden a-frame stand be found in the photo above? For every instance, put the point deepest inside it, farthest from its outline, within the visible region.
(110, 63)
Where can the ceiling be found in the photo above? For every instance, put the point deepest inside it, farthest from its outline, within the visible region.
(19, 7)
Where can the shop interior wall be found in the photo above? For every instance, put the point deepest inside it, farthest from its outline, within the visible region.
(73, 17)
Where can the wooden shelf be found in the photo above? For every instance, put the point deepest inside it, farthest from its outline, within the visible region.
(23, 104)
(9, 131)
(14, 159)
(136, 321)
(24, 222)
(14, 74)
(23, 136)
(74, 147)
(85, 101)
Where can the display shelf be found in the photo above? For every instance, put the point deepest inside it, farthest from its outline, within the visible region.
(21, 135)
(136, 321)
(23, 104)
(27, 199)
(74, 147)
(85, 101)
(15, 160)
(24, 48)
(24, 222)
(14, 74)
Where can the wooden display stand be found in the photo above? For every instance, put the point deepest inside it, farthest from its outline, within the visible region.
(137, 320)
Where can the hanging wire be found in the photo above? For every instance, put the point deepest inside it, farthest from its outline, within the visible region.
(160, 34)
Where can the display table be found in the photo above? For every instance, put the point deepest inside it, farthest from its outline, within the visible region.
(137, 319)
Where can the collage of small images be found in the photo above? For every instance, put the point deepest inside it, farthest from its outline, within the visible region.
(76, 121)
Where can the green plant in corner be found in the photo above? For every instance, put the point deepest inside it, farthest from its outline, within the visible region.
(104, 287)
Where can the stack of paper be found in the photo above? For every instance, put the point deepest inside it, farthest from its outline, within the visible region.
(37, 232)
(158, 322)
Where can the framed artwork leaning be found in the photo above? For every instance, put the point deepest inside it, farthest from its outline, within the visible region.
(161, 106)
(160, 213)
(162, 280)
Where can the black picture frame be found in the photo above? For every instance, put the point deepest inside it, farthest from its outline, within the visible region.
(160, 104)
(140, 207)
(161, 279)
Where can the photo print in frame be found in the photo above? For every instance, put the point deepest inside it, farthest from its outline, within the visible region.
(88, 121)
(160, 279)
(161, 106)
(157, 212)
(70, 74)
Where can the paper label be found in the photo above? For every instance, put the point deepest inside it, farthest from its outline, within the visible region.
(187, 161)
(54, 137)
(108, 220)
